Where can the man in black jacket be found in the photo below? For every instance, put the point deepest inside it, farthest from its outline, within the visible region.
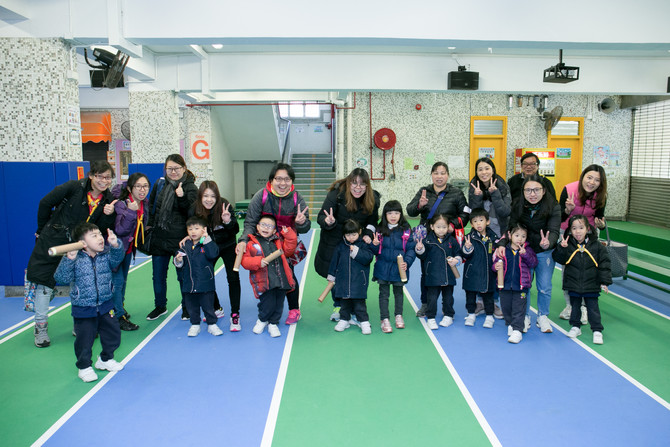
(530, 163)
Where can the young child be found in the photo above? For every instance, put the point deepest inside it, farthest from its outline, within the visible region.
(350, 270)
(440, 251)
(270, 281)
(587, 269)
(89, 273)
(195, 262)
(477, 251)
(517, 264)
(392, 239)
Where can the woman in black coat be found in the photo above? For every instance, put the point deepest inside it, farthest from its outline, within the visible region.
(348, 198)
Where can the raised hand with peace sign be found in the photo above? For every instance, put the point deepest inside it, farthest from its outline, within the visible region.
(330, 218)
(423, 200)
(570, 203)
(492, 186)
(468, 243)
(301, 216)
(226, 216)
(544, 239)
(477, 188)
(564, 240)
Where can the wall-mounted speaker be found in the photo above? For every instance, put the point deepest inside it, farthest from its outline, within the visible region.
(463, 80)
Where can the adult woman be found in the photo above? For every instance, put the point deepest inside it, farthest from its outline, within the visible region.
(489, 191)
(349, 198)
(73, 202)
(539, 212)
(587, 196)
(169, 203)
(438, 198)
(280, 199)
(222, 226)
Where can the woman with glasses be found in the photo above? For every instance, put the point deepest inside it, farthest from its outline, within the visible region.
(132, 216)
(169, 203)
(279, 199)
(540, 214)
(73, 202)
(530, 164)
(348, 198)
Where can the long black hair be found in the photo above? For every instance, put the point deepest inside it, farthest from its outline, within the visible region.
(392, 205)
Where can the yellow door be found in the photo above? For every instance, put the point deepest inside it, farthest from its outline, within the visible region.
(488, 138)
(567, 139)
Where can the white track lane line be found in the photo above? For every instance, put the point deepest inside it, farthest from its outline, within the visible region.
(493, 439)
(271, 421)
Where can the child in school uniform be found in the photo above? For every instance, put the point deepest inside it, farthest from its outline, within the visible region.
(517, 265)
(270, 281)
(477, 252)
(89, 273)
(586, 264)
(195, 261)
(439, 252)
(350, 270)
(392, 239)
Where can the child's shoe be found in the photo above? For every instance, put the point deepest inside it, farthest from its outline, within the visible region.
(479, 308)
(342, 325)
(354, 321)
(184, 314)
(335, 316)
(526, 323)
(422, 310)
(109, 365)
(386, 326)
(293, 316)
(575, 332)
(126, 325)
(497, 312)
(432, 324)
(597, 338)
(235, 325)
(194, 330)
(515, 337)
(273, 330)
(488, 322)
(220, 313)
(446, 321)
(87, 375)
(399, 322)
(259, 327)
(565, 313)
(544, 324)
(470, 320)
(366, 329)
(585, 316)
(214, 329)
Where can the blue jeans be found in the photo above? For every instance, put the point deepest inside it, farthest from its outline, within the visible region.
(543, 274)
(43, 296)
(159, 265)
(119, 279)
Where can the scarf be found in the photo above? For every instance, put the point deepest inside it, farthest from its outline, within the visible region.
(92, 204)
(166, 199)
(140, 223)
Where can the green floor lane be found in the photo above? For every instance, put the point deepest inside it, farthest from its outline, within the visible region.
(380, 389)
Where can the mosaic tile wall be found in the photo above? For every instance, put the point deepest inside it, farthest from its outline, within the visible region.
(35, 98)
(154, 125)
(442, 127)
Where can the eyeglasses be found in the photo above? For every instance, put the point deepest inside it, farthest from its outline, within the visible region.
(359, 185)
(141, 186)
(267, 226)
(528, 165)
(107, 178)
(177, 169)
(535, 191)
(283, 179)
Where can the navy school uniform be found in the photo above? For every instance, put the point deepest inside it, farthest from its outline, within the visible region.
(197, 279)
(477, 274)
(438, 276)
(350, 269)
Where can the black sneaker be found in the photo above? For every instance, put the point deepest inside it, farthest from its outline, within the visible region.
(422, 310)
(184, 315)
(125, 312)
(127, 325)
(157, 312)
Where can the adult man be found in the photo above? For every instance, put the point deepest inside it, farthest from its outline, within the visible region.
(530, 164)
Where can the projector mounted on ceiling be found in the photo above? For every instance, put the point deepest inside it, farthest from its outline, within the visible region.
(561, 73)
(110, 71)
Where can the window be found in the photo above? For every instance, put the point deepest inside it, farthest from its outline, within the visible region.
(651, 141)
(300, 109)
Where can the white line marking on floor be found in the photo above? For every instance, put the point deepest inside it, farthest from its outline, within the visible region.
(271, 421)
(493, 439)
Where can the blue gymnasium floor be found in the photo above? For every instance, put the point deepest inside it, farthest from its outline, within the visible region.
(240, 389)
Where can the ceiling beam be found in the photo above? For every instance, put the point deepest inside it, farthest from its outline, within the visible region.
(115, 30)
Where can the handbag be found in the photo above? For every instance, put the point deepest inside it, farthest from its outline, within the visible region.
(459, 233)
(299, 254)
(618, 255)
(28, 294)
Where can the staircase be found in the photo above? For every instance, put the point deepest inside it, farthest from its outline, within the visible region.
(313, 176)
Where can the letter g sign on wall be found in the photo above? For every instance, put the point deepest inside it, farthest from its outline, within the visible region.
(200, 147)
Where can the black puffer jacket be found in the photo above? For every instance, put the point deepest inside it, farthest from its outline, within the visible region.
(225, 235)
(453, 204)
(535, 221)
(582, 275)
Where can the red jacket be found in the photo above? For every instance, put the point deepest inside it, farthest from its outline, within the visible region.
(258, 276)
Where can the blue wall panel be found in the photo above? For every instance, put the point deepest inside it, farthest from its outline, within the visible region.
(5, 264)
(153, 171)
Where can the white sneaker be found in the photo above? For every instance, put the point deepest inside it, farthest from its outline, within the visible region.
(575, 332)
(509, 330)
(235, 325)
(366, 329)
(585, 316)
(597, 338)
(109, 365)
(194, 330)
(470, 320)
(342, 325)
(219, 312)
(335, 316)
(526, 323)
(565, 313)
(446, 321)
(273, 330)
(87, 375)
(544, 324)
(432, 324)
(515, 337)
(259, 327)
(488, 322)
(214, 329)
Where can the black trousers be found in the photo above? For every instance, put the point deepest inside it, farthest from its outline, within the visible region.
(384, 293)
(196, 301)
(513, 306)
(356, 306)
(271, 306)
(471, 302)
(433, 293)
(233, 277)
(592, 310)
(292, 297)
(86, 329)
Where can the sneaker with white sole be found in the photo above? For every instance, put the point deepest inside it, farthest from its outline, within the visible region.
(488, 322)
(432, 324)
(479, 308)
(544, 324)
(87, 375)
(273, 330)
(335, 316)
(565, 313)
(470, 320)
(497, 312)
(399, 322)
(109, 365)
(585, 316)
(446, 321)
(597, 338)
(235, 325)
(259, 327)
(574, 332)
(194, 330)
(526, 323)
(354, 321)
(214, 330)
(342, 325)
(220, 313)
(293, 316)
(516, 337)
(366, 329)
(386, 326)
